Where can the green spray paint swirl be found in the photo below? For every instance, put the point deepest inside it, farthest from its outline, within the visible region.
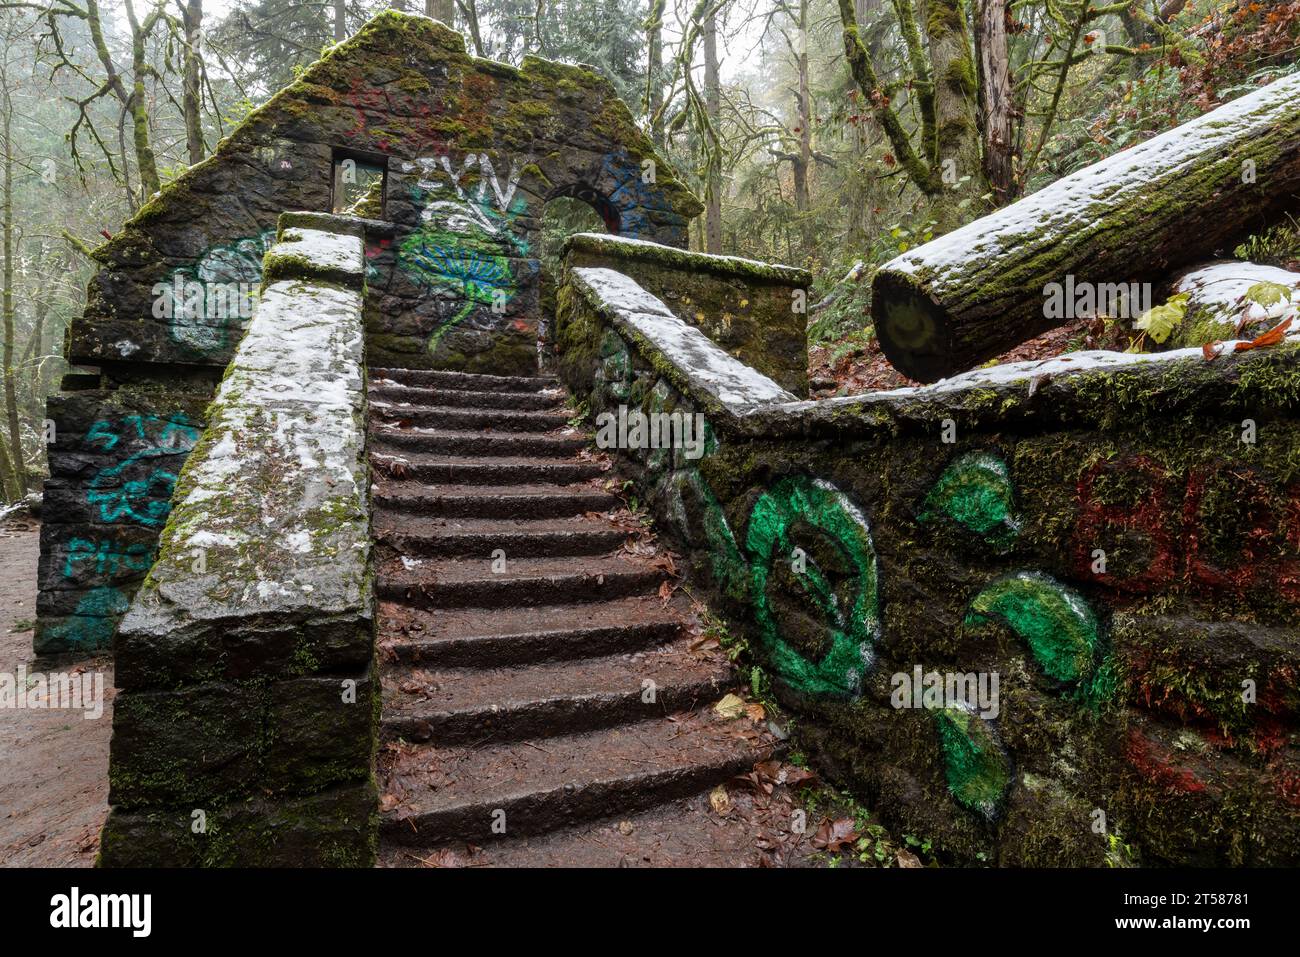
(1054, 621)
(975, 491)
(978, 770)
(853, 629)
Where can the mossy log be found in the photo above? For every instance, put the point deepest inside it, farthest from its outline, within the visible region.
(973, 293)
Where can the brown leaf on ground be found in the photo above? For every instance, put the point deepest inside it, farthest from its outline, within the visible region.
(835, 835)
(796, 777)
(720, 800)
(907, 859)
(665, 592)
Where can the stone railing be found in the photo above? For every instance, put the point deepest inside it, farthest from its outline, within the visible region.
(245, 725)
(755, 311)
(1039, 614)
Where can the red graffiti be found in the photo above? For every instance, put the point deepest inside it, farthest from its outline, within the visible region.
(1155, 763)
(1149, 517)
(373, 107)
(1253, 547)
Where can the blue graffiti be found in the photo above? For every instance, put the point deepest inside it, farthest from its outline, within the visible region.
(635, 199)
(143, 500)
(93, 623)
(108, 557)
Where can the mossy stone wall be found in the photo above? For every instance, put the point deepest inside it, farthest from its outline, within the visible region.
(755, 311)
(1120, 546)
(245, 723)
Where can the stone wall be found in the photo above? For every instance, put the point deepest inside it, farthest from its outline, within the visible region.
(114, 461)
(1115, 538)
(244, 728)
(471, 149)
(755, 311)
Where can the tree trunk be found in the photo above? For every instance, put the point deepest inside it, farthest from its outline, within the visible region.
(16, 468)
(340, 20)
(959, 164)
(654, 100)
(803, 164)
(713, 107)
(995, 98)
(982, 289)
(191, 98)
(146, 164)
(469, 9)
(444, 10)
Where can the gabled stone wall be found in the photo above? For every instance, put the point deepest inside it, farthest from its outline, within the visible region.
(1115, 538)
(473, 149)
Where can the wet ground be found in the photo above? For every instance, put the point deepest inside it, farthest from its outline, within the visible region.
(53, 763)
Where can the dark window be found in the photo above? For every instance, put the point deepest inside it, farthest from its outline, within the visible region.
(359, 185)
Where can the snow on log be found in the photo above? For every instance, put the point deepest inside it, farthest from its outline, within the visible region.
(1232, 300)
(1177, 198)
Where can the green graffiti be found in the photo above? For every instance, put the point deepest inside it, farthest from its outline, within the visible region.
(692, 508)
(219, 287)
(93, 623)
(975, 491)
(848, 610)
(978, 770)
(464, 247)
(1054, 621)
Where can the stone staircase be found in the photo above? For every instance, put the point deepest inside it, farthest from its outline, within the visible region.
(542, 702)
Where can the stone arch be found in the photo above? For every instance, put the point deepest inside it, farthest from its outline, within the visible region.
(597, 200)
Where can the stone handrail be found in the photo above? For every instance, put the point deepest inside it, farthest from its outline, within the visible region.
(244, 730)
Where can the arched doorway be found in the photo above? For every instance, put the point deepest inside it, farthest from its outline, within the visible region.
(566, 212)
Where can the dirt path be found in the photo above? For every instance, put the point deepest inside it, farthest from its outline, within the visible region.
(53, 763)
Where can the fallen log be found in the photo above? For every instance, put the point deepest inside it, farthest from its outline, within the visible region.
(980, 290)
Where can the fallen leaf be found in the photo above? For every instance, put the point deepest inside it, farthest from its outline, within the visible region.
(731, 706)
(625, 828)
(720, 800)
(665, 593)
(907, 859)
(834, 835)
(755, 711)
(1270, 338)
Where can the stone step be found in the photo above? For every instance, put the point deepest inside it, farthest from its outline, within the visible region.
(492, 501)
(482, 470)
(480, 537)
(464, 637)
(469, 420)
(456, 583)
(686, 832)
(390, 391)
(460, 705)
(468, 381)
(455, 793)
(450, 442)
